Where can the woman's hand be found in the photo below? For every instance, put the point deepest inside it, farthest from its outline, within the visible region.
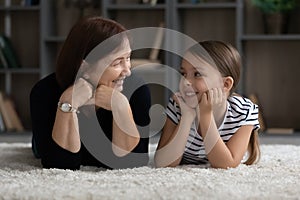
(106, 96)
(78, 94)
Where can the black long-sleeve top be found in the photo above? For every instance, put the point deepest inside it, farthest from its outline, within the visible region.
(44, 97)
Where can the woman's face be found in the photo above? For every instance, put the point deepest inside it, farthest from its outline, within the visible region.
(118, 69)
(197, 77)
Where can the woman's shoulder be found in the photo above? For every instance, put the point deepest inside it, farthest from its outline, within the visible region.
(45, 85)
(46, 81)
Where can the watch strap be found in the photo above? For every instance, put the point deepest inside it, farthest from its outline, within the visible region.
(71, 108)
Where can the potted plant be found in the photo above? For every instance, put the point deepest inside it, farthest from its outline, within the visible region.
(275, 14)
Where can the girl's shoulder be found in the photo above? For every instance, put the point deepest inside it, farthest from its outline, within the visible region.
(242, 110)
(239, 102)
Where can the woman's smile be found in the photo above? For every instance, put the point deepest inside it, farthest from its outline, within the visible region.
(119, 82)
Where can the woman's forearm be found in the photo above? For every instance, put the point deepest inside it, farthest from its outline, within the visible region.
(65, 131)
(125, 134)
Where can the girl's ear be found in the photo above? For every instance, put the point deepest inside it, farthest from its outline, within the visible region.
(228, 83)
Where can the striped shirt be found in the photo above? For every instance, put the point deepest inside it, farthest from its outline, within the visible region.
(240, 111)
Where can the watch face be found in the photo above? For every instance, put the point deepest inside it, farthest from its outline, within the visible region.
(66, 107)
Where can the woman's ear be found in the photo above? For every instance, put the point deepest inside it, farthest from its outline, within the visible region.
(228, 83)
(84, 69)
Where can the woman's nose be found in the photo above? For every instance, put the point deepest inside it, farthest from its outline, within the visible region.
(126, 68)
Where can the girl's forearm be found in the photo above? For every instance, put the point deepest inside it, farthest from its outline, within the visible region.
(217, 152)
(171, 153)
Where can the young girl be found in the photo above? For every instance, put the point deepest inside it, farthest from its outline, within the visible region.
(207, 122)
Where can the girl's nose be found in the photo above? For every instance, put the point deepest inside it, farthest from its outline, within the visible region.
(187, 82)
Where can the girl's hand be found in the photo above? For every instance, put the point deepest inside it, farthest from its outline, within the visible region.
(185, 109)
(211, 98)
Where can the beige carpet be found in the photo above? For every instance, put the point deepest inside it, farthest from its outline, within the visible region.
(277, 176)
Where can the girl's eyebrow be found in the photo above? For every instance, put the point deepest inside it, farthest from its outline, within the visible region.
(198, 69)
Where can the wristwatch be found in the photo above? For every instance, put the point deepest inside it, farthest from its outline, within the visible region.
(66, 107)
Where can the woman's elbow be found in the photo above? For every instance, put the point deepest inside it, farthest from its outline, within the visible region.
(123, 150)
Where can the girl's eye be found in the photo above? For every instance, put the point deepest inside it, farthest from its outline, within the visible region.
(197, 74)
(183, 74)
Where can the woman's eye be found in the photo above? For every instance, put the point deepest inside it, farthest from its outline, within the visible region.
(128, 58)
(116, 63)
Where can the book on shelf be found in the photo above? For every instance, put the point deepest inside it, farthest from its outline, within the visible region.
(3, 61)
(9, 53)
(2, 125)
(151, 2)
(5, 115)
(10, 117)
(153, 56)
(30, 2)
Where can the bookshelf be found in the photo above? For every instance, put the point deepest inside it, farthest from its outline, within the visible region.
(16, 83)
(272, 67)
(270, 62)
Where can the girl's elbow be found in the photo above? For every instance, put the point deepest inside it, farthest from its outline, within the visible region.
(233, 164)
(160, 164)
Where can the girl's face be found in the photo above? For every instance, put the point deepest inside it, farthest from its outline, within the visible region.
(198, 76)
(114, 75)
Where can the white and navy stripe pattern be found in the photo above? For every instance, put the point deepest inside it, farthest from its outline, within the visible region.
(240, 111)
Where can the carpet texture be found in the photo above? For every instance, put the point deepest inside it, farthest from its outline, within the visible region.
(277, 176)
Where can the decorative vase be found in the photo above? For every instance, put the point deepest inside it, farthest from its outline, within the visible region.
(275, 23)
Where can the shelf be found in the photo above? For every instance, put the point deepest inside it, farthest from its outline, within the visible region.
(206, 5)
(13, 137)
(271, 37)
(294, 134)
(16, 133)
(136, 7)
(55, 39)
(20, 8)
(20, 70)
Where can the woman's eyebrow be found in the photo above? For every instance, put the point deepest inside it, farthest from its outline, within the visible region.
(120, 58)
